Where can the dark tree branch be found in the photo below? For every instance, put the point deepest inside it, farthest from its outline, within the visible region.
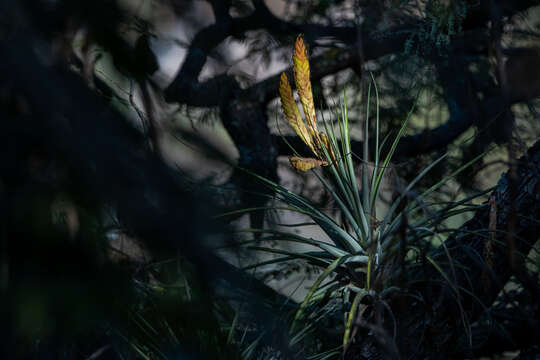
(221, 9)
(186, 88)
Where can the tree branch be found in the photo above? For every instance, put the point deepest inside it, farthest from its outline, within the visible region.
(186, 88)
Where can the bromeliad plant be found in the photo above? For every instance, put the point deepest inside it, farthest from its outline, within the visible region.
(361, 259)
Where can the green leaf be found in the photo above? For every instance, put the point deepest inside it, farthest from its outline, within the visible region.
(327, 272)
(352, 315)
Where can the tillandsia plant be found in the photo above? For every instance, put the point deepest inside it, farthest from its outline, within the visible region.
(365, 257)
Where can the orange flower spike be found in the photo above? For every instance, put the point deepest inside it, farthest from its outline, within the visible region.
(305, 164)
(290, 109)
(303, 84)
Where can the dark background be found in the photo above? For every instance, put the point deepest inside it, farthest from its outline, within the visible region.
(122, 123)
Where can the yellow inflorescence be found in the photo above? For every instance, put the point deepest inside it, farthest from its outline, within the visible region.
(307, 130)
(292, 113)
(303, 83)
